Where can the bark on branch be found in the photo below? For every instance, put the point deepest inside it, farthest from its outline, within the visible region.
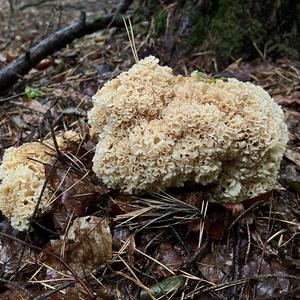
(59, 39)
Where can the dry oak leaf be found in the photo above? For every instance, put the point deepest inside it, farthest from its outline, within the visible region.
(78, 192)
(294, 156)
(86, 246)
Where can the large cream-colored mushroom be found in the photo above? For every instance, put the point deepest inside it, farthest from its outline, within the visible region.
(157, 130)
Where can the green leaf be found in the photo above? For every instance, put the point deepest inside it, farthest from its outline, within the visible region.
(165, 287)
(32, 93)
(200, 75)
(295, 185)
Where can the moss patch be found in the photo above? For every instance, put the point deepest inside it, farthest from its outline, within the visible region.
(227, 28)
(160, 22)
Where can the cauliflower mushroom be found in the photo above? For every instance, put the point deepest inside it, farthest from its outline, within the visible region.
(157, 130)
(23, 175)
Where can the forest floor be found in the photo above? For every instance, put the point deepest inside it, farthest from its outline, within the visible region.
(246, 251)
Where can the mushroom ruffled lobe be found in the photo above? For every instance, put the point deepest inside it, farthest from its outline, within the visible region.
(157, 130)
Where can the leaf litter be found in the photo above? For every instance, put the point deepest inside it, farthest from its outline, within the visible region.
(85, 246)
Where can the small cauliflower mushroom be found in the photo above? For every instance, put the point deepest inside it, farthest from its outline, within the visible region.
(158, 130)
(22, 174)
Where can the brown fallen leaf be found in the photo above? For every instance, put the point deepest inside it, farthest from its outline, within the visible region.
(268, 286)
(235, 208)
(13, 255)
(216, 230)
(121, 204)
(216, 221)
(193, 199)
(36, 106)
(294, 156)
(14, 292)
(169, 258)
(86, 246)
(44, 64)
(10, 56)
(122, 235)
(78, 192)
(262, 198)
(293, 98)
(215, 266)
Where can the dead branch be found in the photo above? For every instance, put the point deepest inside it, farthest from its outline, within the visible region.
(34, 4)
(57, 40)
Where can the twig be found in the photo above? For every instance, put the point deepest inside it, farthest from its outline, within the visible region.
(240, 216)
(33, 4)
(42, 191)
(181, 241)
(11, 7)
(236, 262)
(203, 212)
(267, 237)
(53, 233)
(57, 40)
(225, 285)
(50, 119)
(131, 39)
(198, 254)
(121, 9)
(46, 295)
(50, 26)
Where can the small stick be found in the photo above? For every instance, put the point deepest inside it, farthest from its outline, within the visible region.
(236, 262)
